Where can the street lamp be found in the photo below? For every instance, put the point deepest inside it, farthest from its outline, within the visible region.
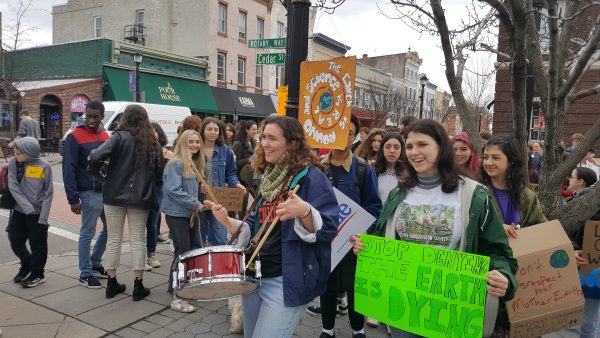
(137, 58)
(423, 80)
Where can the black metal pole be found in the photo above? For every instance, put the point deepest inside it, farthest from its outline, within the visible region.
(422, 98)
(137, 82)
(297, 41)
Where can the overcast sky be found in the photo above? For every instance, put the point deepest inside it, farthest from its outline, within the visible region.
(357, 23)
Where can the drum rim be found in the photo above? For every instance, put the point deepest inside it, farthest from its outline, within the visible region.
(202, 251)
(244, 279)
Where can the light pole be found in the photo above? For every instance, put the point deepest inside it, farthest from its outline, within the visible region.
(423, 80)
(296, 50)
(137, 58)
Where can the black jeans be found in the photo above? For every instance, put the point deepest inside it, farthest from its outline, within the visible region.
(26, 227)
(341, 279)
(185, 238)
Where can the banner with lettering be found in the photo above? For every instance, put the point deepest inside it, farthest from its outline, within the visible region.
(326, 96)
(421, 289)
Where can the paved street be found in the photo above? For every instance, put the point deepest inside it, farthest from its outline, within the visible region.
(62, 308)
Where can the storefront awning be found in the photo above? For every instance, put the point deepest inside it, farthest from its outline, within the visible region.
(161, 89)
(243, 103)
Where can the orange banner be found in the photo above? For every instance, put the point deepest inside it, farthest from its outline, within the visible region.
(326, 96)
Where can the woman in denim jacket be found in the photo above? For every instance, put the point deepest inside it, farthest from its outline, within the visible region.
(180, 201)
(220, 171)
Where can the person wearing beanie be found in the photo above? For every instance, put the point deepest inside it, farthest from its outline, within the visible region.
(30, 183)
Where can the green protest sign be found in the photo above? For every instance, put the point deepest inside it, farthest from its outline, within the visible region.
(421, 289)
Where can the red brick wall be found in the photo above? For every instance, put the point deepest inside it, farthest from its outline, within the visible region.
(31, 100)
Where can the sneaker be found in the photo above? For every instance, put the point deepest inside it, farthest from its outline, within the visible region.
(181, 305)
(32, 282)
(90, 282)
(374, 323)
(171, 247)
(326, 335)
(153, 262)
(160, 239)
(99, 272)
(148, 267)
(21, 276)
(314, 310)
(342, 306)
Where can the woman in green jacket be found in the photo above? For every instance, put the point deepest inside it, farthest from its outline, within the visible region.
(434, 193)
(503, 172)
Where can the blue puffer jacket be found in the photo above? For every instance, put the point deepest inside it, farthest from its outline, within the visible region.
(179, 193)
(306, 266)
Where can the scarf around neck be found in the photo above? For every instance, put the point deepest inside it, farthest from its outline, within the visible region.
(275, 179)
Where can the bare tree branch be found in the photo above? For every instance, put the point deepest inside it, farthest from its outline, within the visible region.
(584, 93)
(503, 13)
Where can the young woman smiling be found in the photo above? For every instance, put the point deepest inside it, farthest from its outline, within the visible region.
(220, 172)
(466, 156)
(455, 211)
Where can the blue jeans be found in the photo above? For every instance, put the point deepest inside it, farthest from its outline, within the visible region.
(153, 226)
(265, 314)
(212, 231)
(91, 209)
(591, 314)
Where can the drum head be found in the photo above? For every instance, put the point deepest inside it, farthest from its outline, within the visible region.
(216, 290)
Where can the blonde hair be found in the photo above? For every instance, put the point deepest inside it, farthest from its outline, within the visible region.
(191, 163)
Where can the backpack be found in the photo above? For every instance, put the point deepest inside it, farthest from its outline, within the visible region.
(6, 199)
(360, 172)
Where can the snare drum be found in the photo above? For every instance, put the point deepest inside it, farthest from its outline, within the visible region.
(212, 273)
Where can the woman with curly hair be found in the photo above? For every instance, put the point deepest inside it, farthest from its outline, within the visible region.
(135, 167)
(302, 242)
(244, 145)
(229, 134)
(369, 149)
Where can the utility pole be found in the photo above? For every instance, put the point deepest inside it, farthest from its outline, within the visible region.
(296, 50)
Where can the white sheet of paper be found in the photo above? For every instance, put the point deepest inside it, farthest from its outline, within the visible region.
(353, 220)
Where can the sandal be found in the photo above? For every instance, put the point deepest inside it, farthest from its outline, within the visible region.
(182, 306)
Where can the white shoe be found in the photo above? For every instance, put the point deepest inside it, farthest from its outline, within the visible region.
(181, 305)
(171, 247)
(153, 262)
(148, 267)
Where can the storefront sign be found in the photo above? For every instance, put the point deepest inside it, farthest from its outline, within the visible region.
(168, 93)
(246, 101)
(421, 289)
(78, 103)
(326, 95)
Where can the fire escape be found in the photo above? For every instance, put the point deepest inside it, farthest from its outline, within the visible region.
(135, 34)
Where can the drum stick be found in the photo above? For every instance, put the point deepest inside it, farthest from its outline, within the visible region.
(267, 233)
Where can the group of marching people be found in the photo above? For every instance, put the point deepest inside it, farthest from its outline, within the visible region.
(398, 176)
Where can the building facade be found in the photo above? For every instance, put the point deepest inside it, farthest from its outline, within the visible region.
(216, 31)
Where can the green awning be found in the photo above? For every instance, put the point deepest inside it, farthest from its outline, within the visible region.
(160, 89)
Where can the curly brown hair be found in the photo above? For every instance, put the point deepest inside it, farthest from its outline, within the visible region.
(366, 150)
(300, 154)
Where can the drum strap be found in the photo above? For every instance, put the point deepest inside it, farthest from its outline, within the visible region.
(239, 230)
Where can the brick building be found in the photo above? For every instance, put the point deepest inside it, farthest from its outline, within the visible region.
(581, 115)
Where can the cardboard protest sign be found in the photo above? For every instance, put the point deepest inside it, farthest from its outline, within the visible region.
(326, 96)
(231, 198)
(549, 296)
(591, 251)
(421, 289)
(353, 220)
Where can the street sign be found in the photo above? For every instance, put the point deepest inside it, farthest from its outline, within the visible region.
(267, 43)
(270, 58)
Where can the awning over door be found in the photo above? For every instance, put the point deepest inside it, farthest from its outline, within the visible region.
(243, 103)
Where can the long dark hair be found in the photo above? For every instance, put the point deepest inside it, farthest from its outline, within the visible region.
(221, 138)
(366, 150)
(242, 136)
(381, 163)
(232, 127)
(445, 162)
(162, 137)
(298, 157)
(516, 179)
(135, 121)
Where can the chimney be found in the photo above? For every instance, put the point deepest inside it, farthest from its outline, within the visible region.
(365, 56)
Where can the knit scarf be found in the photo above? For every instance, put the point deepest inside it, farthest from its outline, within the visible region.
(275, 179)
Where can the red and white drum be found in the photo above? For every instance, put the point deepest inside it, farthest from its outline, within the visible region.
(212, 273)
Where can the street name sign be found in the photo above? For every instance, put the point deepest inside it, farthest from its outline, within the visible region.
(267, 43)
(270, 58)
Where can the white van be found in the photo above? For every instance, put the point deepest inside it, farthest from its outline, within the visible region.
(169, 117)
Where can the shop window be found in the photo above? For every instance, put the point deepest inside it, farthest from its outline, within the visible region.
(260, 28)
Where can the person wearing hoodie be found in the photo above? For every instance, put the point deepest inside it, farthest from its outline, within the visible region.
(30, 183)
(84, 192)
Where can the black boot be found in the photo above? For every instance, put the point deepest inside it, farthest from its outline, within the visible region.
(139, 291)
(113, 288)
